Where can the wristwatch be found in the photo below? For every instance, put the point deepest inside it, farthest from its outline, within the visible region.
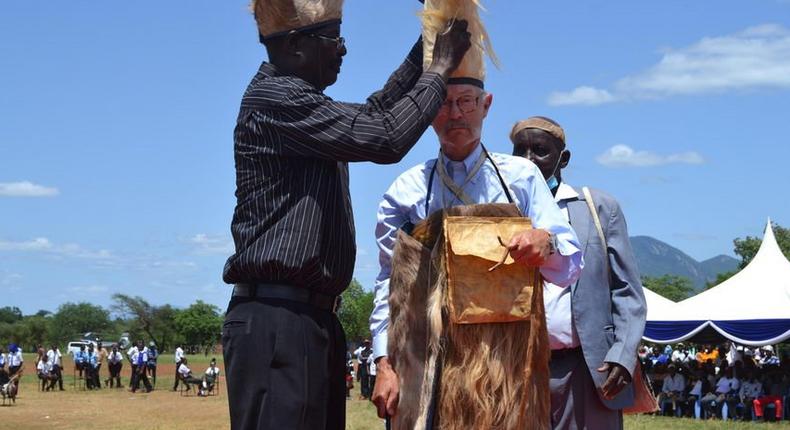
(552, 243)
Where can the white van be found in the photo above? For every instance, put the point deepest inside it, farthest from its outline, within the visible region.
(73, 347)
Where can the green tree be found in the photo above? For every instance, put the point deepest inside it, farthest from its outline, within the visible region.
(672, 287)
(35, 330)
(157, 322)
(355, 309)
(73, 319)
(747, 248)
(200, 324)
(10, 315)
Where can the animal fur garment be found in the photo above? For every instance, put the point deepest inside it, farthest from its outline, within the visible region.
(491, 376)
(435, 17)
(275, 16)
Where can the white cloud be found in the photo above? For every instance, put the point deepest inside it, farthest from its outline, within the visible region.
(26, 189)
(625, 156)
(581, 96)
(758, 57)
(42, 244)
(206, 244)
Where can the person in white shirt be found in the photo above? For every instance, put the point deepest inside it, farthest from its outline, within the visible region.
(115, 360)
(672, 392)
(727, 391)
(140, 373)
(179, 357)
(2, 359)
(56, 358)
(15, 360)
(44, 372)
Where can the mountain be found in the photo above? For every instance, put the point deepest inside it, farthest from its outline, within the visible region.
(657, 258)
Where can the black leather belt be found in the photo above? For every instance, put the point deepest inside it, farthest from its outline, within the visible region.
(560, 353)
(287, 292)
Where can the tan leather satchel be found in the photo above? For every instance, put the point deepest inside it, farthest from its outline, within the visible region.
(485, 285)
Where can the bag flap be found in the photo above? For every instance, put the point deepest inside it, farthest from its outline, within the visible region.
(479, 236)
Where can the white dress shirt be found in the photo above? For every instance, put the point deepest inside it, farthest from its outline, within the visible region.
(725, 385)
(115, 357)
(15, 360)
(184, 370)
(404, 202)
(697, 389)
(179, 354)
(55, 357)
(2, 360)
(557, 299)
(132, 354)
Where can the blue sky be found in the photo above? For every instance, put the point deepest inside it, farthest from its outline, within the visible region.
(116, 152)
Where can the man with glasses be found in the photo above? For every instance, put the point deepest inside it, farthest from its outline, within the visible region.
(465, 173)
(293, 228)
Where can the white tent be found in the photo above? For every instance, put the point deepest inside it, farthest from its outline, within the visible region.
(751, 308)
(659, 308)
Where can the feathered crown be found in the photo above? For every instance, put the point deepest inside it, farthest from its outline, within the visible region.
(279, 17)
(435, 17)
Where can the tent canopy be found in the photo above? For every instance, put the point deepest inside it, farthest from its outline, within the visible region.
(750, 308)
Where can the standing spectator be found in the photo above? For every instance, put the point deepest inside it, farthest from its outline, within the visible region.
(91, 369)
(362, 360)
(140, 373)
(751, 389)
(672, 392)
(178, 357)
(115, 360)
(153, 354)
(2, 359)
(132, 354)
(371, 373)
(40, 352)
(56, 359)
(15, 360)
(355, 354)
(79, 360)
(44, 372)
(101, 358)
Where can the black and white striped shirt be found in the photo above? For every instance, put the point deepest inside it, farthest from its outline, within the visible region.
(293, 222)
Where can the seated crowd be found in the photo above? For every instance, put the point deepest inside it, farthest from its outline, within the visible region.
(724, 382)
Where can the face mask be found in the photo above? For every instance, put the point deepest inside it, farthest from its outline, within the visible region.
(553, 182)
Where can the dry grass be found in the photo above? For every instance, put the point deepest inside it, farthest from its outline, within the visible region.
(164, 409)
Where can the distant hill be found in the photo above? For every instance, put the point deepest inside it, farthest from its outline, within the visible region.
(656, 258)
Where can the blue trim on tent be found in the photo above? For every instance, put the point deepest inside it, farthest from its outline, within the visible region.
(668, 330)
(756, 330)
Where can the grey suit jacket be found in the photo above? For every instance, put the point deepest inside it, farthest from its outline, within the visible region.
(609, 309)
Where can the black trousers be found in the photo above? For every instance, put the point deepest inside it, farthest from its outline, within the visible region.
(285, 364)
(58, 372)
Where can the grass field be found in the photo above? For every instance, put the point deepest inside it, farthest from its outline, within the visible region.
(164, 409)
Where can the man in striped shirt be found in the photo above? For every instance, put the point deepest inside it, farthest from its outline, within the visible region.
(293, 226)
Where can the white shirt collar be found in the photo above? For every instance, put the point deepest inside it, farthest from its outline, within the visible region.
(469, 161)
(565, 192)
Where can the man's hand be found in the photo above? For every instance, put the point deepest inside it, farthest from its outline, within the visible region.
(449, 49)
(531, 247)
(386, 390)
(618, 379)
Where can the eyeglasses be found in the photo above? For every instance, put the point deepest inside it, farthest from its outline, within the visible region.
(339, 41)
(465, 104)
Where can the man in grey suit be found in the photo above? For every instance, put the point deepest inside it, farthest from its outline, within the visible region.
(595, 326)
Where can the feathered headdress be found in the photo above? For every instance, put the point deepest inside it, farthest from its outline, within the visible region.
(279, 17)
(435, 18)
